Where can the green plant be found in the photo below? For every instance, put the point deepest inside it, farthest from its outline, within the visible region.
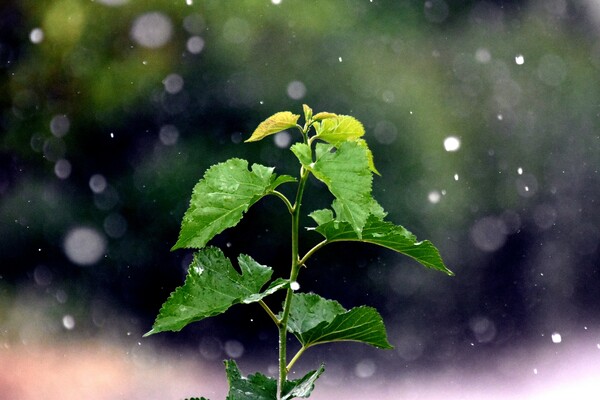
(333, 151)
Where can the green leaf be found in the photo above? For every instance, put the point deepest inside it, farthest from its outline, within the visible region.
(275, 123)
(220, 199)
(261, 387)
(308, 112)
(346, 173)
(315, 320)
(324, 115)
(382, 233)
(339, 129)
(212, 286)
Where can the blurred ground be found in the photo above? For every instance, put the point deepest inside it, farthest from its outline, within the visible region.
(95, 369)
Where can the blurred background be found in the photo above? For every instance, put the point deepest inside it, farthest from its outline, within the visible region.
(483, 117)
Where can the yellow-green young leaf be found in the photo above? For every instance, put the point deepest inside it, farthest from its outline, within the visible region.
(212, 286)
(339, 129)
(261, 387)
(315, 320)
(363, 143)
(308, 112)
(382, 233)
(275, 123)
(324, 115)
(220, 199)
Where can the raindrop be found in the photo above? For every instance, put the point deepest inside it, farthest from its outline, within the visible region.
(365, 368)
(452, 143)
(210, 348)
(500, 117)
(520, 171)
(535, 371)
(556, 338)
(68, 322)
(194, 24)
(296, 90)
(173, 83)
(168, 135)
(526, 185)
(276, 2)
(385, 132)
(62, 168)
(115, 225)
(340, 59)
(42, 275)
(234, 349)
(84, 245)
(434, 197)
(36, 36)
(294, 286)
(456, 177)
(519, 59)
(97, 183)
(189, 2)
(488, 234)
(152, 30)
(483, 56)
(282, 139)
(483, 328)
(195, 44)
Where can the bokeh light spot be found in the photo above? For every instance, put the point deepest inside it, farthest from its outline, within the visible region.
(84, 246)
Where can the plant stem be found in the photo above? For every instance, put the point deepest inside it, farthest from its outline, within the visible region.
(312, 251)
(296, 357)
(269, 312)
(293, 277)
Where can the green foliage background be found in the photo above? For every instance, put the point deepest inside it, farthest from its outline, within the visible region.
(412, 73)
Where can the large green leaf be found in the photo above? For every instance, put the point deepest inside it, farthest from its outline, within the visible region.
(315, 320)
(275, 123)
(221, 197)
(382, 233)
(212, 286)
(346, 173)
(261, 387)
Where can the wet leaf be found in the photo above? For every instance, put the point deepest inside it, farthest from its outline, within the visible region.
(346, 173)
(382, 233)
(220, 199)
(275, 123)
(211, 287)
(315, 320)
(261, 387)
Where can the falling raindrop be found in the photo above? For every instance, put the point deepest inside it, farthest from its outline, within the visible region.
(84, 246)
(520, 171)
(36, 36)
(519, 59)
(195, 44)
(451, 143)
(68, 322)
(62, 168)
(340, 59)
(456, 177)
(276, 2)
(556, 337)
(434, 197)
(152, 30)
(282, 139)
(234, 348)
(365, 368)
(296, 90)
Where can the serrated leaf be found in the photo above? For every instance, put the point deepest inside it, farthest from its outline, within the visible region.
(315, 320)
(261, 387)
(275, 123)
(211, 287)
(363, 143)
(346, 173)
(339, 129)
(382, 233)
(221, 197)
